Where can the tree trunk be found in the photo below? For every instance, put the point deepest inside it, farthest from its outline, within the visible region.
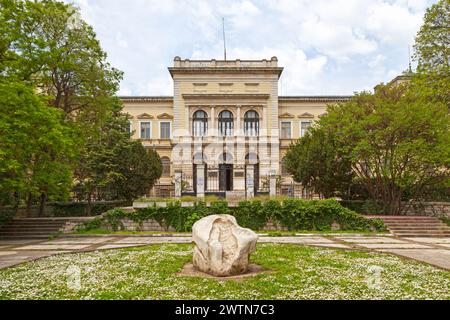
(29, 204)
(16, 202)
(42, 204)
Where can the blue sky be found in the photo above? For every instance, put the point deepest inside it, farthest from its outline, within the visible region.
(328, 47)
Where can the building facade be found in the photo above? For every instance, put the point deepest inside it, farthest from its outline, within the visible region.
(225, 130)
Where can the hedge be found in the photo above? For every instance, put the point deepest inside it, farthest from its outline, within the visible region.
(295, 214)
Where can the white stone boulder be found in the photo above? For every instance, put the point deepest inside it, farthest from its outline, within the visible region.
(222, 247)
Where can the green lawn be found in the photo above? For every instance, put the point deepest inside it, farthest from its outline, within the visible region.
(298, 273)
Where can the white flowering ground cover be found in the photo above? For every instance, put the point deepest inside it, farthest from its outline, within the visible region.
(298, 272)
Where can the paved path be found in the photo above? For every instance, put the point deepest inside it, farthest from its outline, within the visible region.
(434, 251)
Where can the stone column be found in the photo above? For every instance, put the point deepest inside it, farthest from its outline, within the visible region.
(238, 121)
(250, 181)
(273, 184)
(212, 128)
(200, 180)
(177, 180)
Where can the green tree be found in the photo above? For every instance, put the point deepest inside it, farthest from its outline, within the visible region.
(314, 160)
(432, 52)
(36, 147)
(45, 44)
(139, 169)
(112, 166)
(397, 141)
(51, 47)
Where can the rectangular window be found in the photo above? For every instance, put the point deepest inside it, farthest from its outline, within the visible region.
(130, 127)
(304, 126)
(164, 130)
(285, 130)
(146, 130)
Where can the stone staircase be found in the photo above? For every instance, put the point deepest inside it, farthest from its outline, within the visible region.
(415, 226)
(31, 228)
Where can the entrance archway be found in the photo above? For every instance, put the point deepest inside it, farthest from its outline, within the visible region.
(226, 172)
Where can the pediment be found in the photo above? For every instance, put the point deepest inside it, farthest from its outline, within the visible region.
(145, 116)
(306, 115)
(323, 114)
(165, 116)
(286, 115)
(129, 116)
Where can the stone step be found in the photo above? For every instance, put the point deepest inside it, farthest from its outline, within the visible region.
(428, 225)
(8, 226)
(26, 221)
(35, 223)
(24, 233)
(415, 226)
(401, 217)
(409, 219)
(413, 222)
(419, 229)
(402, 233)
(20, 237)
(28, 230)
(424, 235)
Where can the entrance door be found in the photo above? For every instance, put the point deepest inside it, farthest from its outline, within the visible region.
(226, 177)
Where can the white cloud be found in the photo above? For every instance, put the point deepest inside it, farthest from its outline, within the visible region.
(392, 23)
(301, 74)
(326, 46)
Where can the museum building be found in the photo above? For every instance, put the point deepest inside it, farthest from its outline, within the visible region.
(225, 130)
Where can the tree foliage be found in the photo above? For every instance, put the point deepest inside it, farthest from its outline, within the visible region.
(315, 162)
(432, 52)
(36, 147)
(396, 141)
(52, 48)
(114, 167)
(59, 117)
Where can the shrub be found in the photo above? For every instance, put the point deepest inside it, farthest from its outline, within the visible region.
(251, 215)
(294, 214)
(6, 215)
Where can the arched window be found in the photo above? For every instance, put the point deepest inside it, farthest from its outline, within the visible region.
(199, 158)
(251, 158)
(251, 123)
(226, 123)
(165, 166)
(226, 158)
(200, 123)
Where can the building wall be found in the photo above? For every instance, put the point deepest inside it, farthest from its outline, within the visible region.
(214, 86)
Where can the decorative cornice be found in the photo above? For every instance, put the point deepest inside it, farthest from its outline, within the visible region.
(233, 70)
(188, 96)
(145, 116)
(314, 98)
(168, 99)
(146, 99)
(286, 115)
(306, 115)
(165, 116)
